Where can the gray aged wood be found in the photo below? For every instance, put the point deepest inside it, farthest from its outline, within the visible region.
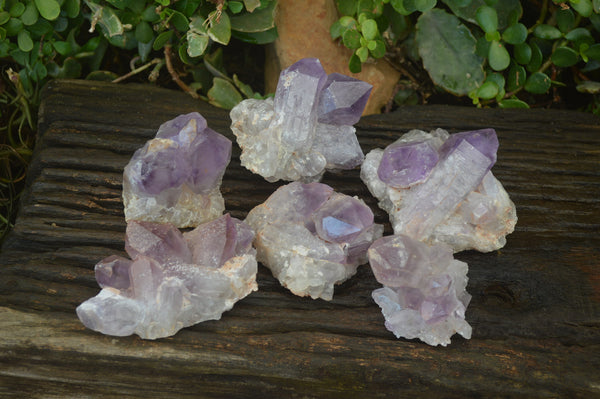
(536, 303)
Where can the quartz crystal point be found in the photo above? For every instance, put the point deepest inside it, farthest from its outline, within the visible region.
(176, 177)
(306, 128)
(312, 237)
(424, 294)
(174, 280)
(438, 188)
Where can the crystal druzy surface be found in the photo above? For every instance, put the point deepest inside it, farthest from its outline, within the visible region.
(175, 178)
(306, 128)
(424, 289)
(312, 237)
(172, 280)
(438, 187)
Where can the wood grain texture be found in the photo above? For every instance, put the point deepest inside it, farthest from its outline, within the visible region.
(535, 310)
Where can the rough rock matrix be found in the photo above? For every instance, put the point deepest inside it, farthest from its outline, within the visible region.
(424, 294)
(174, 280)
(438, 188)
(307, 127)
(312, 237)
(176, 177)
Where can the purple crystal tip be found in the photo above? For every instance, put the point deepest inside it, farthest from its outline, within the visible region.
(404, 164)
(193, 154)
(484, 140)
(343, 100)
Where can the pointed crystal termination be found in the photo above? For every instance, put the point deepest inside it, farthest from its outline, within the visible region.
(424, 294)
(306, 129)
(174, 280)
(312, 237)
(175, 178)
(438, 188)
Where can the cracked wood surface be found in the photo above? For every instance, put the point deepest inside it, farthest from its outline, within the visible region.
(535, 310)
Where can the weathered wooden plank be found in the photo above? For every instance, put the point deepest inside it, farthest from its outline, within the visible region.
(535, 310)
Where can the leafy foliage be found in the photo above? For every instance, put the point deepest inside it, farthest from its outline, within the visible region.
(485, 49)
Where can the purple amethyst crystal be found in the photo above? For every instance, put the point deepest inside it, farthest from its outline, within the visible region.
(404, 164)
(438, 188)
(306, 128)
(343, 99)
(424, 294)
(174, 280)
(312, 237)
(171, 175)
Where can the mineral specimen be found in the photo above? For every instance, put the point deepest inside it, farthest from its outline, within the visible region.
(175, 280)
(424, 294)
(438, 188)
(306, 128)
(312, 237)
(176, 177)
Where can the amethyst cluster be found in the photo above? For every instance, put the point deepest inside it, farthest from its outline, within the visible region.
(307, 127)
(175, 178)
(424, 289)
(312, 237)
(173, 280)
(438, 188)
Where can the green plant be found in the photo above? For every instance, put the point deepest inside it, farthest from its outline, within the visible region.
(187, 31)
(489, 50)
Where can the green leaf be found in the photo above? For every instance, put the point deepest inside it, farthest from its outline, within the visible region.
(39, 71)
(498, 56)
(536, 58)
(4, 17)
(588, 86)
(346, 7)
(220, 28)
(512, 103)
(143, 32)
(72, 8)
(596, 6)
(17, 9)
(62, 48)
(493, 36)
(447, 49)
(362, 53)
(2, 42)
(150, 15)
(487, 18)
(508, 11)
(488, 90)
(538, 83)
(162, 39)
(595, 20)
(179, 21)
(40, 28)
(515, 34)
(594, 52)
(102, 76)
(583, 7)
(369, 29)
(31, 15)
(71, 68)
(547, 32)
(197, 44)
(223, 94)
(245, 89)
(424, 5)
(13, 26)
(564, 57)
(251, 4)
(24, 41)
(354, 64)
(257, 21)
(265, 37)
(516, 77)
(522, 53)
(379, 50)
(496, 78)
(235, 6)
(580, 36)
(49, 9)
(107, 19)
(336, 30)
(565, 19)
(404, 7)
(351, 39)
